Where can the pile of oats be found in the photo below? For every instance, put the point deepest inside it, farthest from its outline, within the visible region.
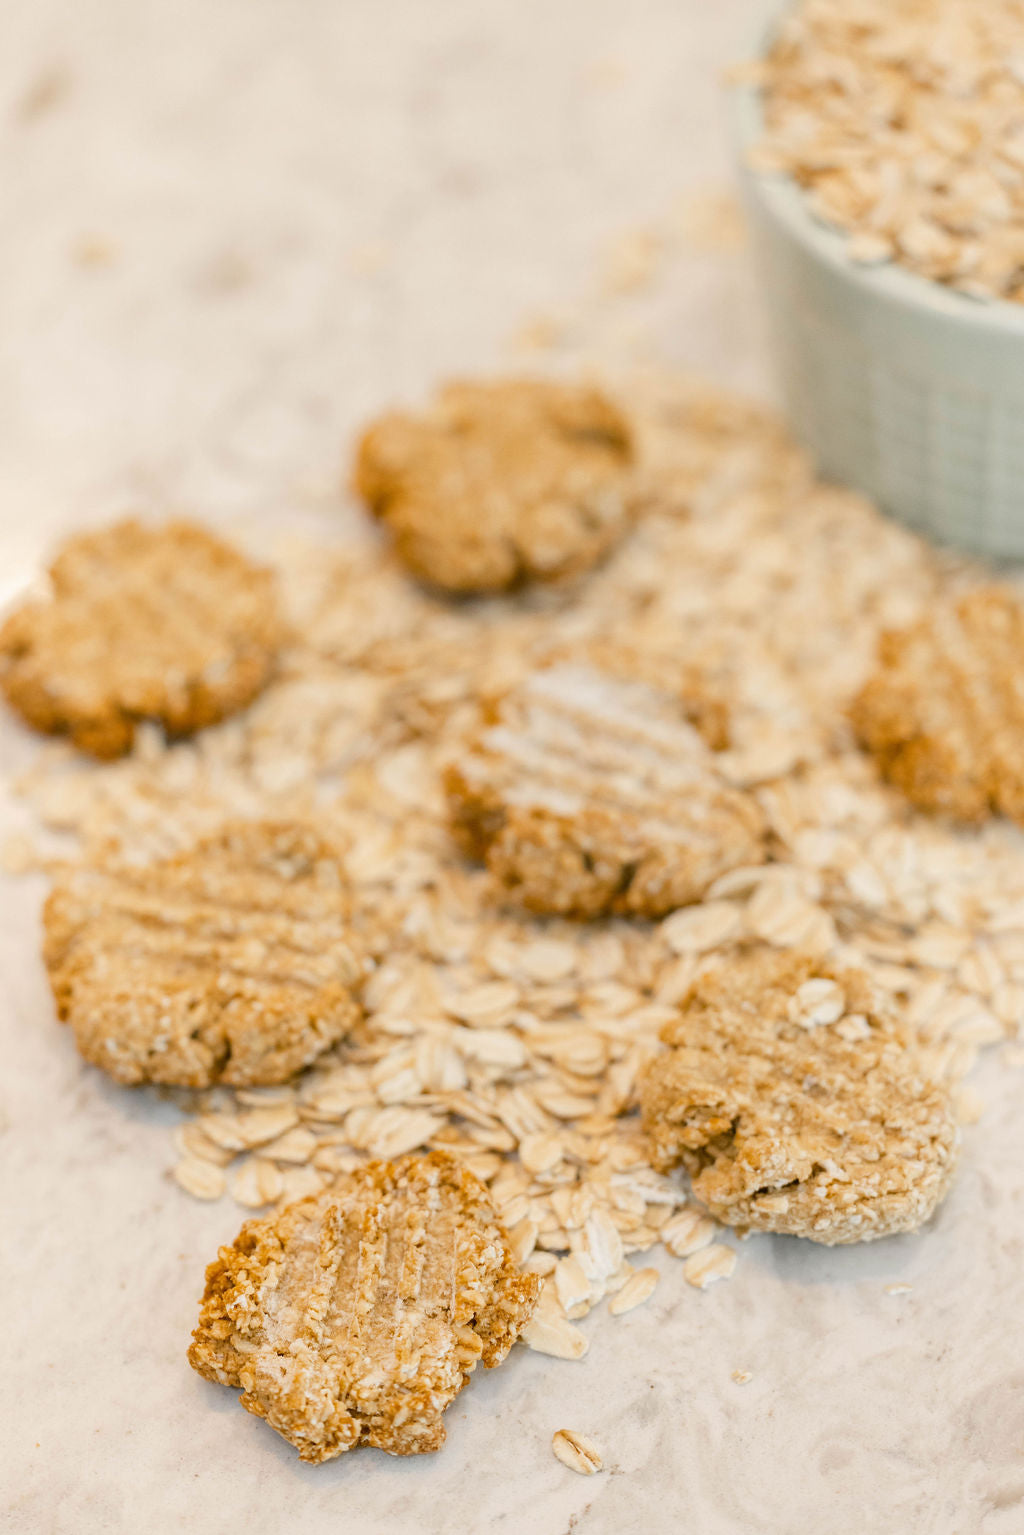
(516, 1042)
(904, 122)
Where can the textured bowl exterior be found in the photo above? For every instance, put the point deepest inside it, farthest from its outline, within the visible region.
(898, 387)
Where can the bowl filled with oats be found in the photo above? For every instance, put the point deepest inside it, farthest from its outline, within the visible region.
(883, 168)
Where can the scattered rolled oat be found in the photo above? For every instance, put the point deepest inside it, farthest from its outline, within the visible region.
(294, 1146)
(232, 962)
(257, 1182)
(142, 623)
(687, 1233)
(902, 121)
(500, 483)
(555, 1336)
(192, 1141)
(943, 713)
(356, 1316)
(254, 1125)
(201, 1179)
(830, 1132)
(742, 1377)
(639, 1287)
(587, 794)
(576, 1451)
(709, 1265)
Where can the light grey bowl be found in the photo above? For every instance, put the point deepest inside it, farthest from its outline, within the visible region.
(898, 387)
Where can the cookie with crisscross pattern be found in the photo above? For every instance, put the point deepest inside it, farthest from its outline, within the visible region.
(590, 794)
(356, 1316)
(232, 962)
(794, 1101)
(142, 622)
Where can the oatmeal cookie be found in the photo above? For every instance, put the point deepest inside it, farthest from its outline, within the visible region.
(943, 713)
(233, 962)
(356, 1316)
(500, 483)
(795, 1104)
(142, 622)
(588, 794)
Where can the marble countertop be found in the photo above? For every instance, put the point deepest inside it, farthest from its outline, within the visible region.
(227, 234)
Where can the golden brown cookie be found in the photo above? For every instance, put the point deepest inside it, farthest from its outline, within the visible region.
(142, 622)
(795, 1104)
(233, 962)
(500, 483)
(588, 794)
(357, 1316)
(943, 713)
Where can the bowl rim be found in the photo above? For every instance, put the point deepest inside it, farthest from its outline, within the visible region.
(786, 201)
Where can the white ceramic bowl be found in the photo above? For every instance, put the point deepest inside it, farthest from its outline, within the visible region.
(898, 387)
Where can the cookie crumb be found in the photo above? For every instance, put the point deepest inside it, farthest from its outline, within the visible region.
(94, 251)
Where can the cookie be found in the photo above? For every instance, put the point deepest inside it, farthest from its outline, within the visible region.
(357, 1316)
(500, 483)
(794, 1103)
(588, 794)
(142, 622)
(233, 962)
(943, 712)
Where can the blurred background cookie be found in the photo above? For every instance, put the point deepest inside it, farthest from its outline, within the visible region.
(167, 623)
(943, 712)
(500, 483)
